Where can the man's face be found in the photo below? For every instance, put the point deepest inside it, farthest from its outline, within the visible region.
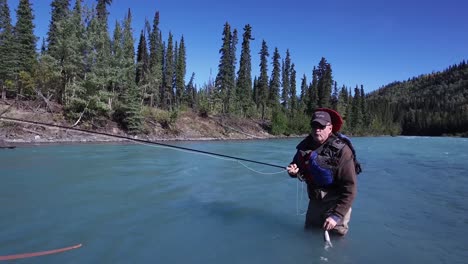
(320, 133)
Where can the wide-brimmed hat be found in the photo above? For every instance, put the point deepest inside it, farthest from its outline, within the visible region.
(335, 117)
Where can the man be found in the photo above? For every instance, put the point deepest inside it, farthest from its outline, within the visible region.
(326, 162)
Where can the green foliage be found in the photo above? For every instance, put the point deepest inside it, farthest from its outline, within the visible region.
(225, 79)
(262, 87)
(165, 118)
(279, 122)
(275, 82)
(299, 124)
(244, 79)
(26, 84)
(8, 63)
(432, 104)
(324, 83)
(128, 112)
(25, 40)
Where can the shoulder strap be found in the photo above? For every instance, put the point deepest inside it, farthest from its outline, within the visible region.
(347, 141)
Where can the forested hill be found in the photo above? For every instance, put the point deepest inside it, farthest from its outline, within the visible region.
(431, 104)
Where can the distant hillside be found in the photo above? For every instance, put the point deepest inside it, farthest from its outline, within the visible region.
(432, 104)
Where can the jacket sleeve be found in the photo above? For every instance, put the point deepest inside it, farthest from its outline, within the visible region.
(346, 182)
(294, 161)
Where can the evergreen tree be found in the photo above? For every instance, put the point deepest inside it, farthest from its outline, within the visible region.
(117, 62)
(273, 96)
(180, 72)
(324, 83)
(129, 51)
(59, 13)
(286, 76)
(190, 92)
(244, 75)
(25, 44)
(67, 48)
(8, 62)
(130, 111)
(356, 117)
(225, 79)
(142, 67)
(334, 97)
(232, 100)
(101, 10)
(255, 91)
(156, 62)
(25, 40)
(342, 102)
(292, 91)
(304, 97)
(168, 95)
(363, 107)
(263, 79)
(313, 94)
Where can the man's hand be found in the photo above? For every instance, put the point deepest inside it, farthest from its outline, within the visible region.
(329, 223)
(292, 169)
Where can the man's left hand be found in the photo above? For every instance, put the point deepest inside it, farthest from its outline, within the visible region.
(329, 223)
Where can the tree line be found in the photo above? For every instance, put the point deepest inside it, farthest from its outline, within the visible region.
(434, 104)
(97, 75)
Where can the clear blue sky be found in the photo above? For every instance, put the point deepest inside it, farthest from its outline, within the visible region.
(370, 42)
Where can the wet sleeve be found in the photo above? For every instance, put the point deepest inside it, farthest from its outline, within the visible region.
(346, 182)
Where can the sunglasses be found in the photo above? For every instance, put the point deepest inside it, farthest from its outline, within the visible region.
(316, 125)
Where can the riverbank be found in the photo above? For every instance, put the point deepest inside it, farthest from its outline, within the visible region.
(52, 127)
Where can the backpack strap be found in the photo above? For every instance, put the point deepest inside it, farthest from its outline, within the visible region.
(347, 141)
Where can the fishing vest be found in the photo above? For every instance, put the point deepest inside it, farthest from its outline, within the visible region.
(318, 167)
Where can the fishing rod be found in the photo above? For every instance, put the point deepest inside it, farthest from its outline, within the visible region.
(139, 141)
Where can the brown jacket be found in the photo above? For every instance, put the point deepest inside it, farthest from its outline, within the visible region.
(344, 187)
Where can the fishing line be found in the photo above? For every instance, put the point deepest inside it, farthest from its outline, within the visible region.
(141, 141)
(300, 198)
(216, 157)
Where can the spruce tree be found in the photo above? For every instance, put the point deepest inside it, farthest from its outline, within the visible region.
(286, 76)
(131, 106)
(142, 62)
(129, 51)
(263, 79)
(356, 117)
(334, 97)
(292, 91)
(324, 83)
(25, 40)
(156, 62)
(8, 62)
(313, 94)
(304, 98)
(180, 72)
(59, 13)
(25, 44)
(225, 78)
(168, 95)
(101, 10)
(244, 75)
(189, 94)
(342, 102)
(275, 83)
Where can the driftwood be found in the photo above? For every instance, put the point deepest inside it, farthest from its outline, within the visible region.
(8, 108)
(46, 100)
(81, 115)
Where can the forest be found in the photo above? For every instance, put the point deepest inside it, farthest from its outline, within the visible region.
(96, 75)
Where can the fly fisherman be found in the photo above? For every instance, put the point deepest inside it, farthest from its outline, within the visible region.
(325, 160)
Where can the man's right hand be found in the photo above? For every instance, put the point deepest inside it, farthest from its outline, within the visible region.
(292, 169)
